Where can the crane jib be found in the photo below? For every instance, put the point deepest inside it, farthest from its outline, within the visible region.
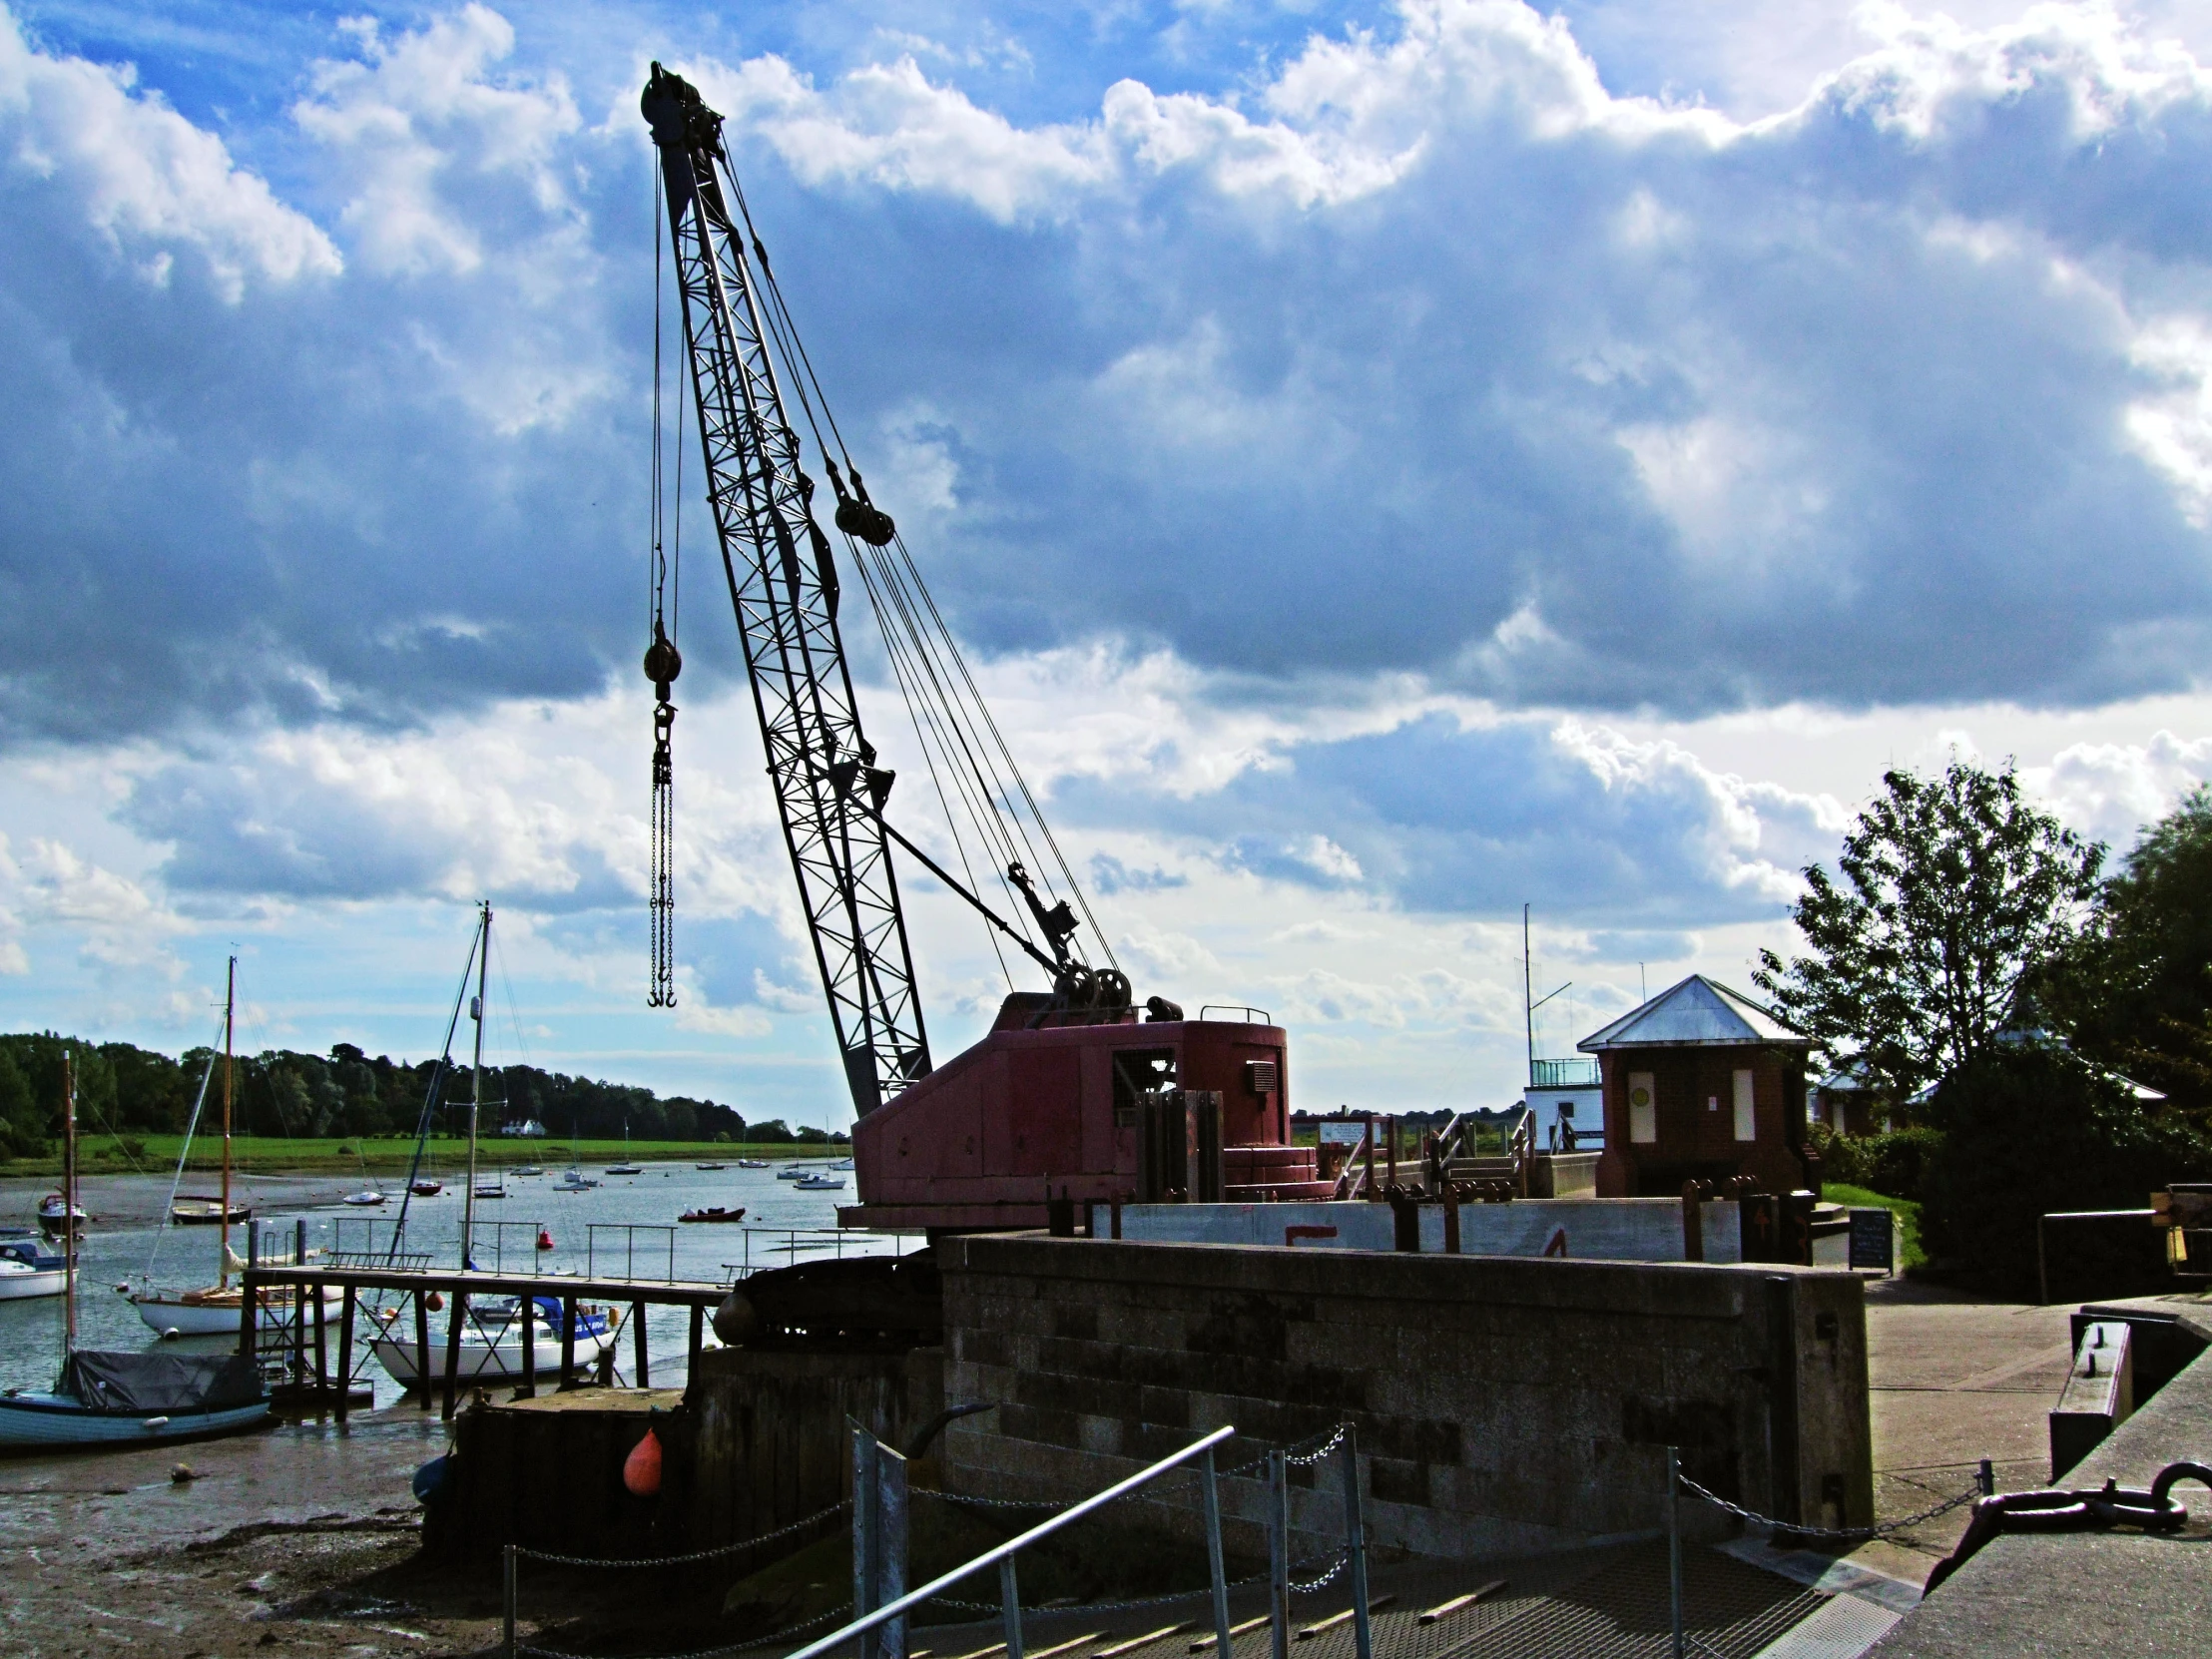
(787, 612)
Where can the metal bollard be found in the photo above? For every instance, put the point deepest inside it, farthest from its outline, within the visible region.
(1355, 1547)
(1009, 1593)
(867, 1558)
(1213, 1555)
(507, 1606)
(1986, 1479)
(1674, 1545)
(1279, 1555)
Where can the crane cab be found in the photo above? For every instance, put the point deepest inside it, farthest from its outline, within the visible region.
(976, 1144)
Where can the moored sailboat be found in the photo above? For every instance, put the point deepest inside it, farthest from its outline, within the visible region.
(106, 1398)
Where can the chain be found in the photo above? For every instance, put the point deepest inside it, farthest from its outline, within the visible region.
(716, 1553)
(1881, 1531)
(708, 1652)
(1294, 1459)
(1322, 1583)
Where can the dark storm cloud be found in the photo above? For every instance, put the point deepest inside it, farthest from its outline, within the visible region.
(1416, 353)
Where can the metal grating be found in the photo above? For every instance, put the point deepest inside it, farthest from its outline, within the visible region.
(1844, 1630)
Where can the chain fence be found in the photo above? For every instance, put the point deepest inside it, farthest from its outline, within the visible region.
(524, 1554)
(1880, 1530)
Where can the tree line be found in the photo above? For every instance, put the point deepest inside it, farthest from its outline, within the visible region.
(2036, 1026)
(125, 1089)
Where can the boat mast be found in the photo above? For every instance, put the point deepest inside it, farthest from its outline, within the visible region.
(230, 1015)
(476, 1087)
(69, 1206)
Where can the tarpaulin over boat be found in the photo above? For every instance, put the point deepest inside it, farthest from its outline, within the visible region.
(132, 1385)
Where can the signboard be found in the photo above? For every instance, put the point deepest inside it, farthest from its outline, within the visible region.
(1339, 1132)
(1873, 1240)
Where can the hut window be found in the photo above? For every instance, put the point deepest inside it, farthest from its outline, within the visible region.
(1643, 1116)
(1747, 1121)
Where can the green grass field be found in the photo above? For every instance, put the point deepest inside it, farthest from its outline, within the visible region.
(1910, 1254)
(100, 1154)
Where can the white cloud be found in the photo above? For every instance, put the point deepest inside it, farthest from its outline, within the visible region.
(419, 122)
(148, 181)
(2111, 791)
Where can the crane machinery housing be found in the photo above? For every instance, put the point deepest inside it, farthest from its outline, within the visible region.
(1075, 1092)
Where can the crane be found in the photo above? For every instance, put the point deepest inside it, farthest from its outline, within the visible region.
(1067, 1082)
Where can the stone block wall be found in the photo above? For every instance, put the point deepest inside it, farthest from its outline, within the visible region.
(1502, 1405)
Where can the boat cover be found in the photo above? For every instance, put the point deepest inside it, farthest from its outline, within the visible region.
(133, 1385)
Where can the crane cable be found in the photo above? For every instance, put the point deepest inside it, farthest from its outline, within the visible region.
(662, 662)
(927, 663)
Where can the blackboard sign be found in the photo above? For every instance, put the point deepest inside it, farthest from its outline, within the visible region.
(1873, 1240)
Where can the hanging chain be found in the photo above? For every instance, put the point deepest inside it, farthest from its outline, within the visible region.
(662, 662)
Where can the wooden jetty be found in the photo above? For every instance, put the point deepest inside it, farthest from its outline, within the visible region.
(311, 1345)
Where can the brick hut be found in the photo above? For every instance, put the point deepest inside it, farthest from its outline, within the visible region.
(1700, 1083)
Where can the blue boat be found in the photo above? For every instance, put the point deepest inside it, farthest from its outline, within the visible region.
(117, 1399)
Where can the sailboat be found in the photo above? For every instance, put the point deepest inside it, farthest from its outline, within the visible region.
(105, 1399)
(625, 1167)
(28, 1268)
(215, 1309)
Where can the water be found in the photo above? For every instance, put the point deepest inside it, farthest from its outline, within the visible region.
(128, 1223)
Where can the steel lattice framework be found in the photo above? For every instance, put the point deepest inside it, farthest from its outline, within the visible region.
(784, 586)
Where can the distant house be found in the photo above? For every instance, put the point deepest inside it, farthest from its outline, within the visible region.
(1700, 1083)
(1845, 1100)
(530, 1129)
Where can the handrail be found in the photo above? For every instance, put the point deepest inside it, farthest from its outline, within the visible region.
(990, 1557)
(1264, 1018)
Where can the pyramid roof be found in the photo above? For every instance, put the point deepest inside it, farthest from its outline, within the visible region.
(1697, 1014)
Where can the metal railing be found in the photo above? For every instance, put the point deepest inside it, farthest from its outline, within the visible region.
(1003, 1556)
(1563, 1074)
(495, 1259)
(626, 1249)
(762, 1247)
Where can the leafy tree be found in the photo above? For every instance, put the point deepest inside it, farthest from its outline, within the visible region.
(2135, 993)
(1954, 889)
(22, 1123)
(2029, 1128)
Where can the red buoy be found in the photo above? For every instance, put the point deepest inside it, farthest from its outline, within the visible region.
(434, 1302)
(545, 1239)
(641, 1471)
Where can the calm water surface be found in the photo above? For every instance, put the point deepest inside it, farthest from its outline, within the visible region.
(126, 1233)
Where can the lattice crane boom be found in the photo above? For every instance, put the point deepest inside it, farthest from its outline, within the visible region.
(784, 586)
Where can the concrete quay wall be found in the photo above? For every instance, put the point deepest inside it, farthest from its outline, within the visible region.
(1503, 1405)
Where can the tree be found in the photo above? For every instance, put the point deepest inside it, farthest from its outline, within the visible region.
(2135, 992)
(2028, 1128)
(1954, 891)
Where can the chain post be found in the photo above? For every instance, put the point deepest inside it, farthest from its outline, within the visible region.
(1279, 1555)
(1009, 1597)
(1214, 1559)
(1674, 1547)
(866, 1545)
(1986, 1478)
(1355, 1543)
(507, 1606)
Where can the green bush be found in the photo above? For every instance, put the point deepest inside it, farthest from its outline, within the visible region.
(1895, 1163)
(2033, 1129)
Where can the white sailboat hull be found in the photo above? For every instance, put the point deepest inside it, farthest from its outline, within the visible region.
(481, 1359)
(15, 1287)
(163, 1313)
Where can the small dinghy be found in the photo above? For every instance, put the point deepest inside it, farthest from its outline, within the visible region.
(713, 1213)
(753, 1163)
(710, 1166)
(53, 1207)
(204, 1210)
(426, 1189)
(819, 1184)
(363, 1199)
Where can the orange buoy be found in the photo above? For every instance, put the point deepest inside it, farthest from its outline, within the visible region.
(545, 1239)
(641, 1471)
(434, 1302)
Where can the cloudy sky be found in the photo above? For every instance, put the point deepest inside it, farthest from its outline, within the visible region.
(1389, 462)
